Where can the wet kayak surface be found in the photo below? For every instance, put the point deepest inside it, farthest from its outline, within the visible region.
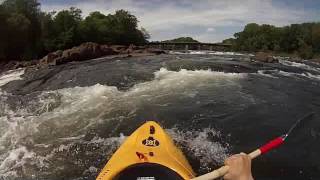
(65, 122)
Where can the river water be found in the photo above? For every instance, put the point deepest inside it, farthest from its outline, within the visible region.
(66, 121)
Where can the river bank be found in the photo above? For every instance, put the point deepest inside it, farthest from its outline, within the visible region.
(94, 51)
(85, 51)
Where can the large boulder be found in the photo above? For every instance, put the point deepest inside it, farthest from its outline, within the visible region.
(17, 64)
(119, 49)
(131, 49)
(83, 52)
(50, 59)
(107, 50)
(295, 59)
(265, 57)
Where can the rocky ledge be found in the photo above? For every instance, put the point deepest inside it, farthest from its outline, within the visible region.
(271, 57)
(265, 57)
(85, 51)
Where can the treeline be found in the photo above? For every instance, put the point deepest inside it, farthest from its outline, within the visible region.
(27, 33)
(301, 39)
(182, 40)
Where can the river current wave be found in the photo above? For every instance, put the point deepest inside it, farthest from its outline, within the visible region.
(212, 104)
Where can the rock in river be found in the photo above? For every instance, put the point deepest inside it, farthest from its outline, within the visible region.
(85, 51)
(265, 57)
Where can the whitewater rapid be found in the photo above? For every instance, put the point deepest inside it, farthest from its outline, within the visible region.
(71, 132)
(34, 136)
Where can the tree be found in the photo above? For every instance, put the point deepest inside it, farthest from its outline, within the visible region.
(305, 51)
(48, 34)
(27, 33)
(124, 28)
(66, 25)
(228, 41)
(18, 43)
(25, 11)
(3, 33)
(96, 28)
(182, 40)
(303, 39)
(316, 37)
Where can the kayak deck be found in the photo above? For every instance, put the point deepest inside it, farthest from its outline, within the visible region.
(149, 149)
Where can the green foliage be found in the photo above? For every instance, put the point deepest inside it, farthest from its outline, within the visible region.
(305, 51)
(183, 40)
(95, 28)
(65, 25)
(120, 28)
(316, 37)
(228, 41)
(303, 39)
(28, 33)
(22, 30)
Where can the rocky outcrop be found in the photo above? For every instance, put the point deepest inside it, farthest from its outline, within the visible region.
(5, 66)
(107, 50)
(90, 50)
(295, 59)
(50, 59)
(83, 52)
(80, 53)
(265, 57)
(154, 51)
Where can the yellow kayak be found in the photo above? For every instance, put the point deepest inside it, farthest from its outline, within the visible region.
(148, 154)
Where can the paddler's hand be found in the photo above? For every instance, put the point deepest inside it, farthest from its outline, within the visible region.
(240, 167)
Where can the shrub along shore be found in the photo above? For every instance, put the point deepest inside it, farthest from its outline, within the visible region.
(28, 33)
(301, 40)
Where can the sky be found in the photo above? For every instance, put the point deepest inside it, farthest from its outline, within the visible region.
(204, 20)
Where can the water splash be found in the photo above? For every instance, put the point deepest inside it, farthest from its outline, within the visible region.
(11, 76)
(204, 145)
(61, 132)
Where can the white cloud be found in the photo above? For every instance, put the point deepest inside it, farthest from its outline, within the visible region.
(210, 29)
(166, 19)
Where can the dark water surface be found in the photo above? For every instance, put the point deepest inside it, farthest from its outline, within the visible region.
(65, 122)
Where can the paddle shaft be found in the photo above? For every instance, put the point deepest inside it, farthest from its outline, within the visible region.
(262, 150)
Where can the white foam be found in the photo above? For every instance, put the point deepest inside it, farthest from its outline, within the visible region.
(226, 53)
(66, 114)
(176, 52)
(289, 74)
(299, 65)
(201, 147)
(312, 76)
(264, 73)
(220, 53)
(15, 159)
(198, 52)
(11, 75)
(19, 159)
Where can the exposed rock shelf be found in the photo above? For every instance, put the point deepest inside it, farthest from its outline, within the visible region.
(85, 51)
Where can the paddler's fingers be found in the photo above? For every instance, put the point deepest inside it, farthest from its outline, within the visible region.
(242, 153)
(239, 167)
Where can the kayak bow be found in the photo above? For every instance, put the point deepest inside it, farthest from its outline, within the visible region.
(147, 151)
